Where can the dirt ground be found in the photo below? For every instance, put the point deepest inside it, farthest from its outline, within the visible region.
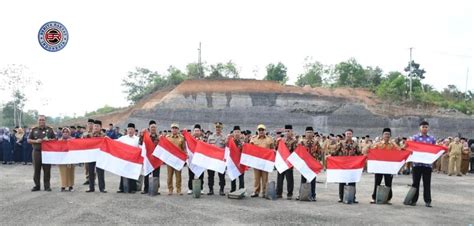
(453, 201)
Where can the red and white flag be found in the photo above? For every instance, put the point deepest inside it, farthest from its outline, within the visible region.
(209, 156)
(170, 154)
(258, 157)
(120, 158)
(72, 151)
(150, 162)
(305, 163)
(424, 153)
(281, 157)
(344, 169)
(386, 161)
(233, 154)
(191, 143)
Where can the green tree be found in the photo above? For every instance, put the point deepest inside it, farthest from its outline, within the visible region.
(312, 75)
(175, 76)
(224, 70)
(196, 71)
(277, 73)
(350, 73)
(137, 83)
(373, 76)
(392, 88)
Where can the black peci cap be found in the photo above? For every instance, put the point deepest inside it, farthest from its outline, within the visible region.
(288, 127)
(131, 125)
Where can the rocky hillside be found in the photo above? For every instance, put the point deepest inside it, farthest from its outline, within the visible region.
(250, 102)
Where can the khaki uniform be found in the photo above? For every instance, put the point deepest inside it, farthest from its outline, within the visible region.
(178, 141)
(386, 145)
(465, 160)
(455, 152)
(66, 171)
(41, 133)
(261, 177)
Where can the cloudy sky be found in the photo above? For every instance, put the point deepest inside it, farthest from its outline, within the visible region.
(110, 38)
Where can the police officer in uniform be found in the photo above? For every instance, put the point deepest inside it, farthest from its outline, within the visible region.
(218, 139)
(290, 143)
(37, 136)
(96, 132)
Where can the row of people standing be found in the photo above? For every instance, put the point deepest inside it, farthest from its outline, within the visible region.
(14, 147)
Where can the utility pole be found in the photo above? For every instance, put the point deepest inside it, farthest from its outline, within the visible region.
(201, 75)
(409, 73)
(465, 90)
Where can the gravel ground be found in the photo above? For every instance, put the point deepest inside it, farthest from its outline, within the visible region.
(453, 200)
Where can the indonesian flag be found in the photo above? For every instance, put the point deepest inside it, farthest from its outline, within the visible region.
(344, 169)
(170, 154)
(150, 162)
(119, 158)
(233, 154)
(305, 163)
(424, 153)
(258, 157)
(72, 151)
(281, 157)
(191, 143)
(386, 161)
(209, 156)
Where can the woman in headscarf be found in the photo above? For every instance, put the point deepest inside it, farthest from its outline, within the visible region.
(7, 147)
(2, 131)
(18, 146)
(66, 170)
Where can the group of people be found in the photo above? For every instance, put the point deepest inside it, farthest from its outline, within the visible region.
(14, 147)
(319, 147)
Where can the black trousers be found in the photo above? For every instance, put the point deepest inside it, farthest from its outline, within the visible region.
(472, 165)
(388, 182)
(341, 189)
(100, 177)
(146, 181)
(191, 178)
(132, 184)
(420, 172)
(288, 174)
(233, 184)
(210, 180)
(313, 185)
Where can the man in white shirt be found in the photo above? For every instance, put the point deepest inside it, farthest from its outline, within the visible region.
(131, 139)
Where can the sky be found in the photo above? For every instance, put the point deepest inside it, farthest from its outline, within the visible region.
(109, 38)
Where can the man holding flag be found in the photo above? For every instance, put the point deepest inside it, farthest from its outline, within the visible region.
(315, 150)
(178, 141)
(239, 142)
(384, 144)
(348, 148)
(133, 141)
(219, 140)
(290, 143)
(260, 176)
(197, 134)
(96, 132)
(152, 127)
(422, 170)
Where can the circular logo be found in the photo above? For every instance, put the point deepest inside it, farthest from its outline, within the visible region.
(53, 36)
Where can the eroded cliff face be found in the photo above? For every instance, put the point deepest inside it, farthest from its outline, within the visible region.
(248, 103)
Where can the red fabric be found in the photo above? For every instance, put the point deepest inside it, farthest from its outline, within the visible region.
(210, 150)
(312, 163)
(171, 148)
(190, 141)
(259, 152)
(122, 151)
(150, 147)
(345, 162)
(388, 155)
(284, 152)
(423, 147)
(235, 155)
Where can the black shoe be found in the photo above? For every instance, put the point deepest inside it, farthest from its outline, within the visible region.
(4, 163)
(289, 197)
(35, 189)
(86, 183)
(144, 192)
(131, 192)
(221, 193)
(211, 192)
(158, 193)
(90, 190)
(24, 163)
(103, 191)
(120, 191)
(254, 195)
(279, 196)
(356, 202)
(297, 198)
(71, 189)
(340, 200)
(63, 189)
(47, 189)
(410, 204)
(428, 204)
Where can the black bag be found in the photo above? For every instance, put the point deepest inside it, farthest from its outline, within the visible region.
(381, 195)
(349, 194)
(410, 195)
(197, 188)
(305, 191)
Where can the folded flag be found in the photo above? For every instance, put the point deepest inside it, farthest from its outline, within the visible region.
(386, 161)
(120, 158)
(72, 151)
(191, 143)
(344, 169)
(281, 157)
(424, 153)
(233, 154)
(170, 154)
(150, 162)
(258, 157)
(209, 156)
(305, 163)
